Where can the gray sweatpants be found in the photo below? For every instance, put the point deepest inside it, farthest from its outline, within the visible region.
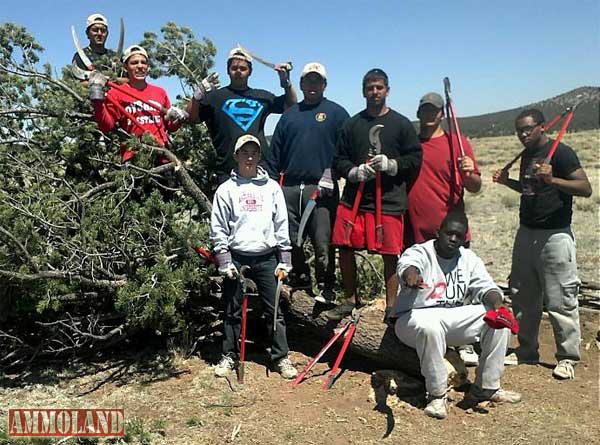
(544, 273)
(431, 330)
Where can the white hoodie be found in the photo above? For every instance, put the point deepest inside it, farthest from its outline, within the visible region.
(450, 282)
(249, 216)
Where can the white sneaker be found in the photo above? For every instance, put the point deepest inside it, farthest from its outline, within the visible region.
(286, 369)
(565, 370)
(468, 355)
(511, 359)
(498, 395)
(437, 408)
(225, 365)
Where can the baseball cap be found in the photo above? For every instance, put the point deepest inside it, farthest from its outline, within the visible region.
(239, 53)
(245, 139)
(132, 50)
(96, 19)
(432, 98)
(314, 67)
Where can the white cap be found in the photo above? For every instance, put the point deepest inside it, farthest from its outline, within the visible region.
(314, 67)
(239, 53)
(96, 19)
(243, 140)
(132, 50)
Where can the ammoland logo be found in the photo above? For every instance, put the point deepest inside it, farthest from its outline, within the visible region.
(56, 422)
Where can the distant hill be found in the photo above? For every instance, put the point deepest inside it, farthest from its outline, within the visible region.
(501, 123)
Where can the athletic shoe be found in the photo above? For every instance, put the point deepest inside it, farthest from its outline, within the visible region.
(339, 312)
(437, 408)
(225, 365)
(496, 396)
(565, 370)
(325, 296)
(511, 359)
(286, 369)
(468, 355)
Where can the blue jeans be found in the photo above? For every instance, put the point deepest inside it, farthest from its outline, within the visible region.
(262, 272)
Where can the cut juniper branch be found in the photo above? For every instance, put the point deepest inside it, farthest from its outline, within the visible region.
(58, 275)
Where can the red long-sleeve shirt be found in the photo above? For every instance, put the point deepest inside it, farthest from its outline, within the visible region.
(149, 118)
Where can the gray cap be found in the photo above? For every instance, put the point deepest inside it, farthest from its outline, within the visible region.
(432, 98)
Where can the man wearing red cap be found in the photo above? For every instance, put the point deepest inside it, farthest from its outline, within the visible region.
(447, 298)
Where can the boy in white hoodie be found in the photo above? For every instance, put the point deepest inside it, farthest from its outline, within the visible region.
(445, 292)
(249, 226)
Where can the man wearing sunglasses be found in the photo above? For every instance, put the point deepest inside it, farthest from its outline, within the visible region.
(544, 268)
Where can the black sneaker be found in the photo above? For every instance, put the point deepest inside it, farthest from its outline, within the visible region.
(339, 312)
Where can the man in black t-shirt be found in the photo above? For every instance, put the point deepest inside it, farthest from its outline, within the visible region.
(237, 109)
(376, 223)
(544, 268)
(97, 32)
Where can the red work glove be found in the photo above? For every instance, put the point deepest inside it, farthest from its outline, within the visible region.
(501, 318)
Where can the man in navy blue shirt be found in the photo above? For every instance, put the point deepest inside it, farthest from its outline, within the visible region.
(301, 154)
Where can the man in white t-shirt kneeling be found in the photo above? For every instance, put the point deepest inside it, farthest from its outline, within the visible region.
(445, 293)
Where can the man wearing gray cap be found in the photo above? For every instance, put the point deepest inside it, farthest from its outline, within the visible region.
(237, 109)
(443, 176)
(439, 187)
(97, 32)
(302, 151)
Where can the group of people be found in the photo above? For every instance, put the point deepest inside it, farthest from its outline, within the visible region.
(402, 198)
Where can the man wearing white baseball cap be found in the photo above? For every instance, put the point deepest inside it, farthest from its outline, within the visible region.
(96, 30)
(249, 227)
(148, 104)
(237, 109)
(302, 151)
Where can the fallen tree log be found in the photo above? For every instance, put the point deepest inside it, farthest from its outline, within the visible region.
(373, 339)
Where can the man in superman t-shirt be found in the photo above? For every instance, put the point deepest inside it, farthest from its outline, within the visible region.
(237, 109)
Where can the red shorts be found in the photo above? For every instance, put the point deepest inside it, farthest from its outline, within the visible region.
(362, 235)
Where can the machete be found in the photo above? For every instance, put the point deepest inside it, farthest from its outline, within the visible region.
(310, 206)
(84, 58)
(277, 295)
(119, 53)
(263, 61)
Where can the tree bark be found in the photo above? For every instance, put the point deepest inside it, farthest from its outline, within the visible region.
(373, 339)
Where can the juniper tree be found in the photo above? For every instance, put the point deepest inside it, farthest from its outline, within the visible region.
(92, 250)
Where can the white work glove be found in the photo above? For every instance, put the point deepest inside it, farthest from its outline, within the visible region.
(283, 268)
(285, 263)
(229, 270)
(326, 185)
(226, 266)
(176, 115)
(96, 83)
(209, 83)
(384, 164)
(283, 69)
(362, 173)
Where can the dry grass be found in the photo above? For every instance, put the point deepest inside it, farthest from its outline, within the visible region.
(493, 212)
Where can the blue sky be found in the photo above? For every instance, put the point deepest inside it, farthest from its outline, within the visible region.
(498, 55)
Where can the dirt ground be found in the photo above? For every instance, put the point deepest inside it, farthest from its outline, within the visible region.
(172, 400)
